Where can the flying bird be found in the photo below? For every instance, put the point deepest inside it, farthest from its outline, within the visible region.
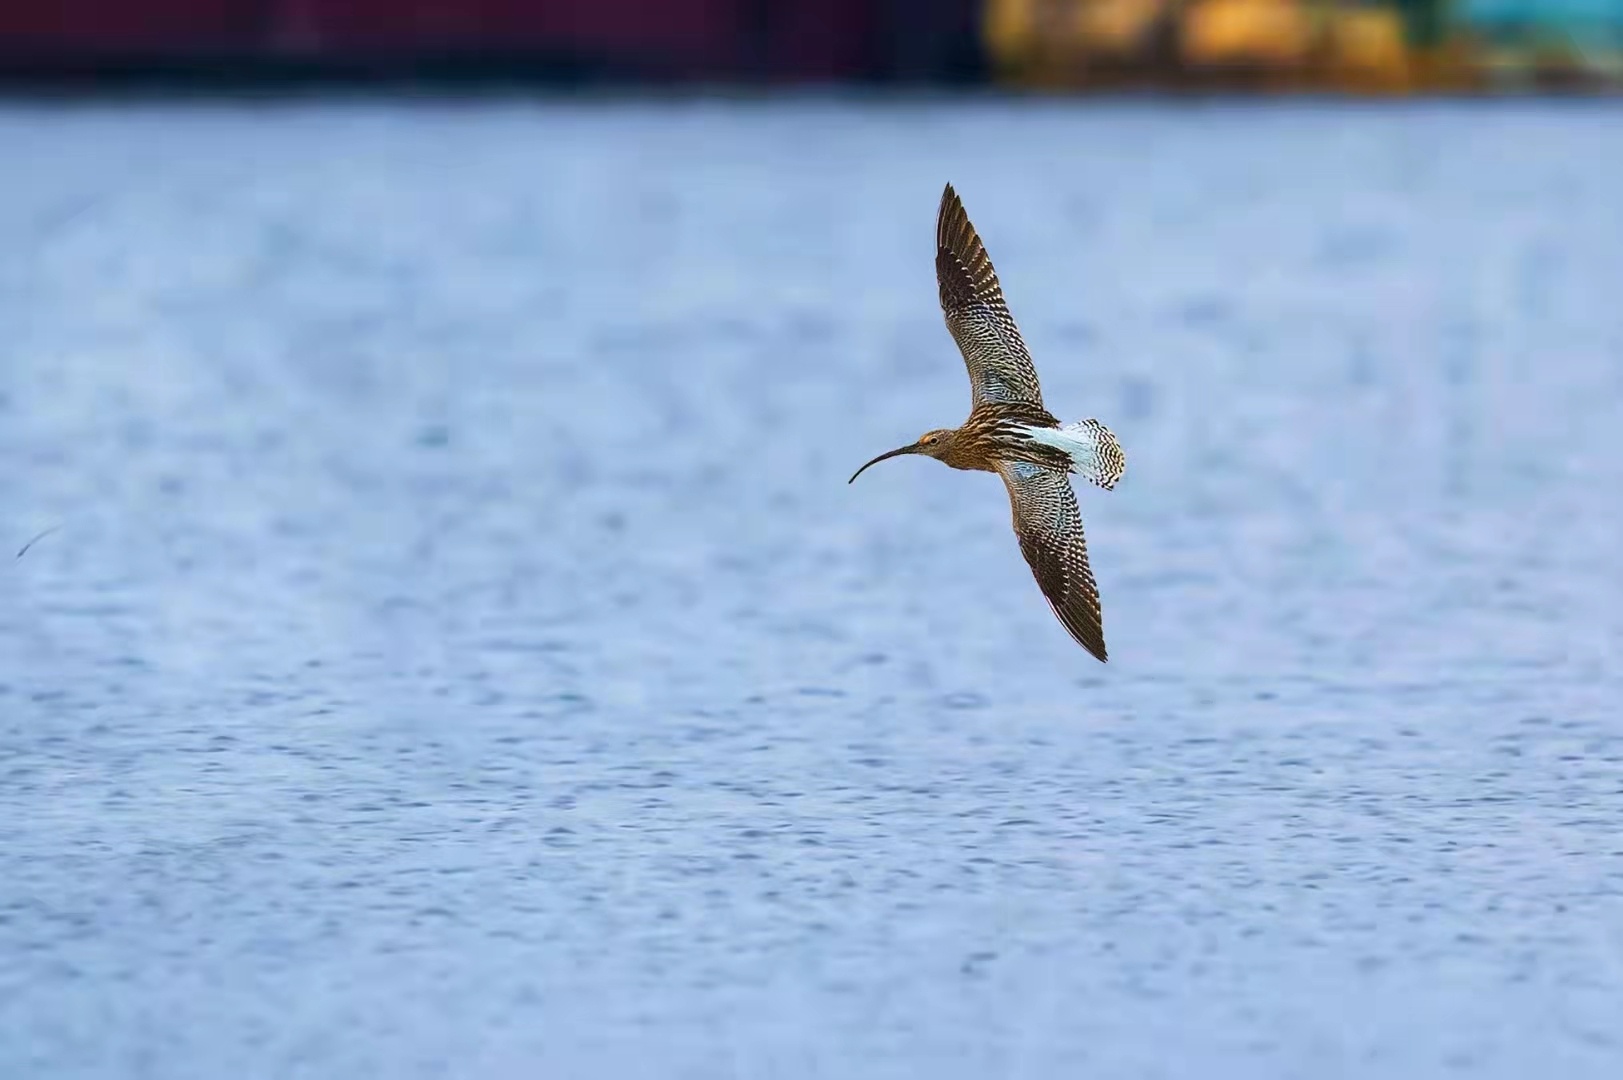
(1009, 432)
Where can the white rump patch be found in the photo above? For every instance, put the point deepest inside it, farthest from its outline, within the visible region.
(1093, 450)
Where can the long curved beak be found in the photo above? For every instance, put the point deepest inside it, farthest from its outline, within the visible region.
(910, 448)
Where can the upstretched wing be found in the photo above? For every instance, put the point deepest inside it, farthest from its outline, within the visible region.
(1000, 368)
(1049, 525)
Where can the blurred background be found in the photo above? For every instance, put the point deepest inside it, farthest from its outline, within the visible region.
(1366, 46)
(459, 653)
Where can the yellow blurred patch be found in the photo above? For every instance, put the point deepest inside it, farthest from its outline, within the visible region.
(1366, 49)
(1115, 27)
(1270, 33)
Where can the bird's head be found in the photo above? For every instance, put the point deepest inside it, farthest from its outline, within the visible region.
(931, 444)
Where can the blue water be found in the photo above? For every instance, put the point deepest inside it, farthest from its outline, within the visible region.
(462, 655)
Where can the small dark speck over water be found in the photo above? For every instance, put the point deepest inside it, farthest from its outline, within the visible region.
(465, 658)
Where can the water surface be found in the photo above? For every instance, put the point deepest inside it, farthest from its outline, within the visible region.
(462, 655)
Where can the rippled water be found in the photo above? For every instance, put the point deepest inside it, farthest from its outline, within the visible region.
(462, 654)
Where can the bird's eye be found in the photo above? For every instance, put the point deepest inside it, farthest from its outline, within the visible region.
(927, 440)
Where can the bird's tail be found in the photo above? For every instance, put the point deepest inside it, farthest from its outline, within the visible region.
(1094, 452)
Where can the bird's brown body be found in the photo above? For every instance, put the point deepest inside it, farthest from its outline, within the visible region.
(1011, 433)
(992, 434)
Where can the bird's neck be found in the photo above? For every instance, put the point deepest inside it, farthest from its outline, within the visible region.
(968, 453)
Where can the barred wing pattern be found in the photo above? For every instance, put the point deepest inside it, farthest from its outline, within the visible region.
(1000, 368)
(1049, 526)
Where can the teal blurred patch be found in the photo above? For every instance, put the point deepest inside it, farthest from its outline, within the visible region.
(1579, 17)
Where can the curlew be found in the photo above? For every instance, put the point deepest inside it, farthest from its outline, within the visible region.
(1009, 432)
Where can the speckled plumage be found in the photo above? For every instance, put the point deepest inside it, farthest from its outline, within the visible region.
(1011, 433)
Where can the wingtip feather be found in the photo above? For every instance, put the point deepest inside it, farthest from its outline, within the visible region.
(947, 215)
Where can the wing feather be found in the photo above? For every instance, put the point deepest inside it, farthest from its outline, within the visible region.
(1048, 524)
(1000, 367)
